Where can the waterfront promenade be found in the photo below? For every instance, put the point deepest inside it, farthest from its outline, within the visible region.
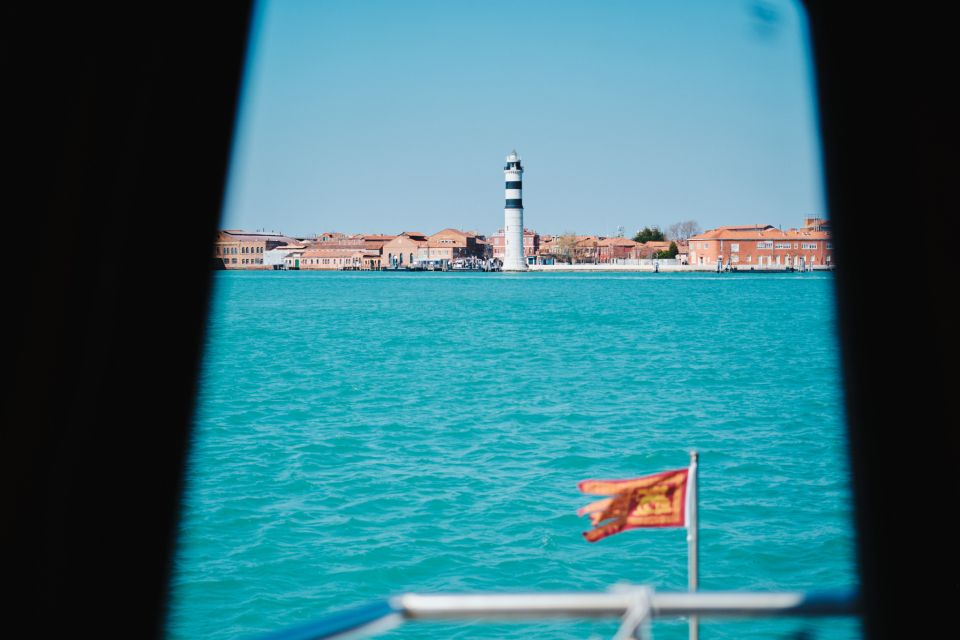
(743, 248)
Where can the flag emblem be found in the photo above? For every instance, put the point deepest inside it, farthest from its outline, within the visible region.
(658, 500)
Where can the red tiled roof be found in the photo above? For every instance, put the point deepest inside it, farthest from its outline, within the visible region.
(756, 233)
(454, 232)
(617, 242)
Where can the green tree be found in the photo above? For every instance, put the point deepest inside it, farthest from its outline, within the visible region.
(649, 233)
(673, 250)
(669, 254)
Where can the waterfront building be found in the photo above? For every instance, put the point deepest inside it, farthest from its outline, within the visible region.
(236, 249)
(449, 245)
(375, 241)
(330, 259)
(586, 249)
(277, 258)
(612, 249)
(513, 231)
(549, 250)
(400, 252)
(762, 247)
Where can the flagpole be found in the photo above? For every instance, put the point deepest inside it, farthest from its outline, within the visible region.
(692, 541)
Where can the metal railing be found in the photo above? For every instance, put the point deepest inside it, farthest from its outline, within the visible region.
(636, 606)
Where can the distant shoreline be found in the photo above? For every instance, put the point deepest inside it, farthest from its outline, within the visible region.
(563, 268)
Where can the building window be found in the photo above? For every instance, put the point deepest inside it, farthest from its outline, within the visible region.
(765, 244)
(735, 248)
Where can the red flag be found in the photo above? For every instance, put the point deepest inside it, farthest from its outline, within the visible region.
(659, 500)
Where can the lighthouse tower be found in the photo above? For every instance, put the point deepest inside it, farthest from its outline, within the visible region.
(513, 258)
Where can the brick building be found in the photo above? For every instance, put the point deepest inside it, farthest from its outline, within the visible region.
(245, 250)
(610, 249)
(531, 244)
(402, 251)
(449, 245)
(762, 247)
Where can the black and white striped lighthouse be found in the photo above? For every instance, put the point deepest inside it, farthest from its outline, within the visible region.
(513, 258)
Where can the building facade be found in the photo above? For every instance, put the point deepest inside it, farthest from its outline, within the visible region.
(402, 251)
(451, 244)
(761, 247)
(245, 250)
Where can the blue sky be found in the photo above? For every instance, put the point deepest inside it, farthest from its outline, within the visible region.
(384, 116)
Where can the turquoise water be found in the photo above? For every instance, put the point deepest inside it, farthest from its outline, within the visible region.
(364, 434)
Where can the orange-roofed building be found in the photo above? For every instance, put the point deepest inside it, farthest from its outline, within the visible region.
(400, 252)
(375, 240)
(586, 249)
(449, 245)
(761, 247)
(617, 249)
(236, 249)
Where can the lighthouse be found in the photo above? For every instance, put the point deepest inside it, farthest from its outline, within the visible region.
(513, 258)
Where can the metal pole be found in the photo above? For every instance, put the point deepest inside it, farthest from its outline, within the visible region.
(693, 565)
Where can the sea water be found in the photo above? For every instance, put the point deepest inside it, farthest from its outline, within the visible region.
(359, 435)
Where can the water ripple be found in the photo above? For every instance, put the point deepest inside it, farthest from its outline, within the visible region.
(358, 435)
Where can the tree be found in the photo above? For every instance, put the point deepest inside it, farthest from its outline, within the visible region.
(669, 254)
(649, 233)
(566, 246)
(683, 230)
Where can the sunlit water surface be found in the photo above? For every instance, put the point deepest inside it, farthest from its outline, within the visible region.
(363, 434)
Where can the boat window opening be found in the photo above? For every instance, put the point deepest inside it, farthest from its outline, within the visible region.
(403, 390)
